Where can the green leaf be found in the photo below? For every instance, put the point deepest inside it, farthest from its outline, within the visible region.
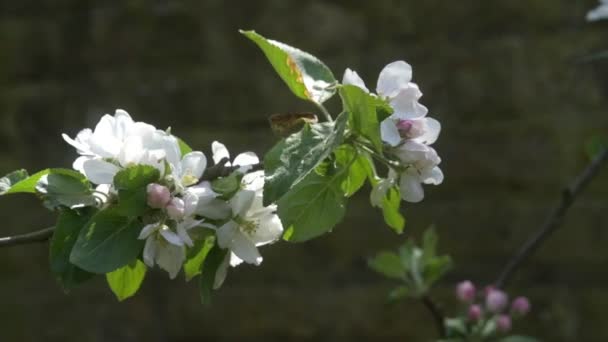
(306, 76)
(131, 184)
(108, 242)
(358, 170)
(388, 264)
(28, 185)
(312, 207)
(65, 187)
(518, 338)
(69, 224)
(293, 158)
(183, 147)
(390, 210)
(212, 263)
(227, 186)
(125, 281)
(436, 268)
(11, 179)
(363, 119)
(196, 256)
(136, 177)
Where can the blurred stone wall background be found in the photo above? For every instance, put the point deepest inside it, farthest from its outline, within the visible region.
(500, 75)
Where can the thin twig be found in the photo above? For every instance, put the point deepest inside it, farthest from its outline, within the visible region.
(438, 315)
(554, 220)
(33, 237)
(213, 172)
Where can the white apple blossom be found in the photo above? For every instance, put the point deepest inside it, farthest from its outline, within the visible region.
(598, 13)
(422, 168)
(394, 85)
(163, 247)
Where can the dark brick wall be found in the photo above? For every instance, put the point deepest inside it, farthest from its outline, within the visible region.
(500, 75)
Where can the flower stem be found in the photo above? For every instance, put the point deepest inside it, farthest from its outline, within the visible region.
(325, 112)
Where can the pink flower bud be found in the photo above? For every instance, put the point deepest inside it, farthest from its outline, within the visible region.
(465, 291)
(158, 195)
(503, 323)
(496, 300)
(175, 209)
(475, 312)
(410, 129)
(520, 306)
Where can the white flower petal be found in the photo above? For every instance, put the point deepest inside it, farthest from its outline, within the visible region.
(352, 78)
(99, 171)
(431, 133)
(379, 191)
(219, 152)
(241, 202)
(170, 258)
(193, 165)
(389, 132)
(269, 230)
(183, 234)
(393, 77)
(225, 234)
(598, 13)
(132, 151)
(253, 181)
(78, 164)
(150, 251)
(81, 141)
(245, 249)
(405, 104)
(235, 260)
(105, 126)
(215, 209)
(148, 230)
(171, 237)
(246, 159)
(434, 176)
(411, 189)
(122, 123)
(190, 203)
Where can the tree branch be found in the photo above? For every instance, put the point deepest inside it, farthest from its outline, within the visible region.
(33, 237)
(437, 314)
(554, 219)
(211, 173)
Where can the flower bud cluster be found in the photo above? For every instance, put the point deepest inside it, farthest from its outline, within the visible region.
(491, 304)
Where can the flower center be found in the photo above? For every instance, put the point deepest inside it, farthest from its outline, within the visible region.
(188, 179)
(247, 227)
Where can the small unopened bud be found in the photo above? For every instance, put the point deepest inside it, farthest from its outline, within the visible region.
(496, 300)
(158, 195)
(475, 312)
(175, 209)
(465, 291)
(410, 129)
(520, 306)
(503, 323)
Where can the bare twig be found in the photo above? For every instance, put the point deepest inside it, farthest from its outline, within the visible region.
(438, 315)
(554, 220)
(213, 172)
(33, 237)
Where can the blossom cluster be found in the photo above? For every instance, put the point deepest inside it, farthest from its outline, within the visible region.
(407, 133)
(181, 200)
(491, 306)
